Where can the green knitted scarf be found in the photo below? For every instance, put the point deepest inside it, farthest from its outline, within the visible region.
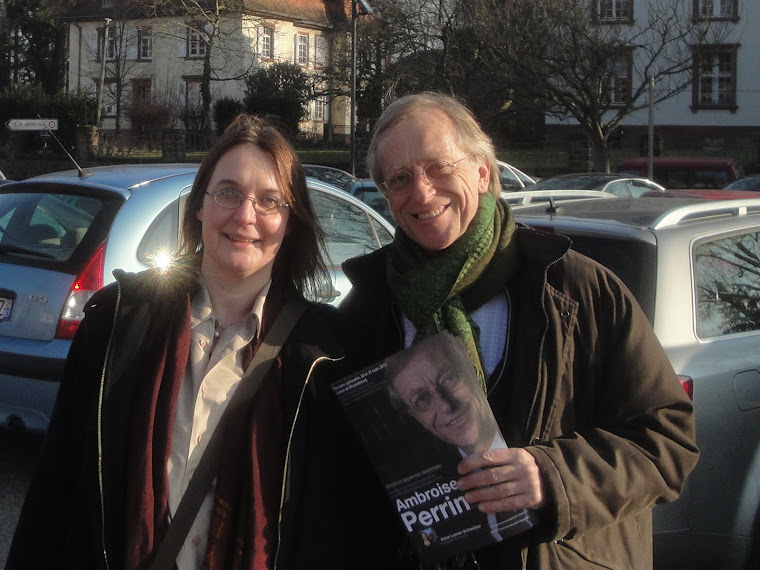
(436, 291)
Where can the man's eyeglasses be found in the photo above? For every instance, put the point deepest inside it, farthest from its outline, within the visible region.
(422, 400)
(440, 170)
(230, 199)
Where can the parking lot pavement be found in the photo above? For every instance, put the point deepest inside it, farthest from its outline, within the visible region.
(18, 455)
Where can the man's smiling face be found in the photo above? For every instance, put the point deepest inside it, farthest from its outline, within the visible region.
(433, 215)
(445, 401)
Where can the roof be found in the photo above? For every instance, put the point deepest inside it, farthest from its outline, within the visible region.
(120, 176)
(320, 13)
(645, 212)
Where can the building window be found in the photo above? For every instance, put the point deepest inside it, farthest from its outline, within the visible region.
(193, 97)
(320, 110)
(107, 4)
(196, 43)
(302, 49)
(714, 78)
(144, 43)
(615, 11)
(266, 42)
(112, 49)
(109, 96)
(716, 9)
(141, 89)
(619, 81)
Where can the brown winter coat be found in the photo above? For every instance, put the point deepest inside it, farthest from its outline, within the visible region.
(586, 389)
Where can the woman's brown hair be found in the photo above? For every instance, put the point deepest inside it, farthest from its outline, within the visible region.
(299, 263)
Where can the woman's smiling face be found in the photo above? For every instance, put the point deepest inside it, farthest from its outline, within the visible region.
(240, 242)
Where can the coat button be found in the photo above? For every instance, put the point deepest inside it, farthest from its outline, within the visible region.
(564, 313)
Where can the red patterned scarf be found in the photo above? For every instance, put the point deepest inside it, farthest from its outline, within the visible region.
(243, 530)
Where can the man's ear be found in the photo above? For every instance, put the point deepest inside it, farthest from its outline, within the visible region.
(484, 178)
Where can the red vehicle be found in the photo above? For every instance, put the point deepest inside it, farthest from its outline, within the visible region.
(676, 172)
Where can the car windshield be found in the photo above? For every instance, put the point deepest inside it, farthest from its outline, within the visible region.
(45, 225)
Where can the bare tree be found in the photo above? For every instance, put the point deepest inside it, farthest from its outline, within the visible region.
(213, 28)
(592, 66)
(121, 54)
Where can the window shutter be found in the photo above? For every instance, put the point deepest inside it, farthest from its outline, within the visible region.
(182, 45)
(93, 46)
(320, 58)
(260, 40)
(181, 94)
(295, 49)
(131, 40)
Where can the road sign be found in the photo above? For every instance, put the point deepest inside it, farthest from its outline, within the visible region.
(32, 124)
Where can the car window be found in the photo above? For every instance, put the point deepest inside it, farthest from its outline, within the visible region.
(619, 188)
(672, 177)
(726, 274)
(638, 187)
(45, 225)
(348, 230)
(710, 178)
(509, 180)
(633, 261)
(162, 237)
(374, 199)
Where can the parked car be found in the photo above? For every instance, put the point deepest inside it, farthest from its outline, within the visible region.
(532, 197)
(693, 266)
(706, 194)
(331, 175)
(620, 185)
(367, 192)
(674, 172)
(513, 178)
(62, 235)
(747, 183)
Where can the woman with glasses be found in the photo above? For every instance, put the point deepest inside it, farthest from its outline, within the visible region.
(154, 364)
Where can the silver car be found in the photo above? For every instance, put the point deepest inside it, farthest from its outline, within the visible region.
(694, 266)
(622, 185)
(63, 234)
(513, 178)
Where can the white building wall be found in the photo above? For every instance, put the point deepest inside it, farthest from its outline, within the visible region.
(677, 111)
(234, 55)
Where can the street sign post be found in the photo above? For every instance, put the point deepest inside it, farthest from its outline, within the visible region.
(32, 124)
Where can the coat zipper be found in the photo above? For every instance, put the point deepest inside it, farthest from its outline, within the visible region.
(288, 451)
(100, 427)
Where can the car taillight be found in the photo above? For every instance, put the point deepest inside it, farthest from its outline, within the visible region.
(687, 383)
(86, 283)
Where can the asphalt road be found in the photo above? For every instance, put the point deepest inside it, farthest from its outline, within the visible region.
(18, 455)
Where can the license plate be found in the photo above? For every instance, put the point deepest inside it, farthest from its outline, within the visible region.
(6, 305)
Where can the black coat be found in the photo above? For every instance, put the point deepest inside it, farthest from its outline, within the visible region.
(73, 515)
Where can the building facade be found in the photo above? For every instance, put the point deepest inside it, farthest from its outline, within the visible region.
(145, 59)
(720, 106)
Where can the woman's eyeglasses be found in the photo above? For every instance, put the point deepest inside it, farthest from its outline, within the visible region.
(440, 170)
(230, 199)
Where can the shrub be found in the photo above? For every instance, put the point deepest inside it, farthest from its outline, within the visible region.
(225, 110)
(29, 101)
